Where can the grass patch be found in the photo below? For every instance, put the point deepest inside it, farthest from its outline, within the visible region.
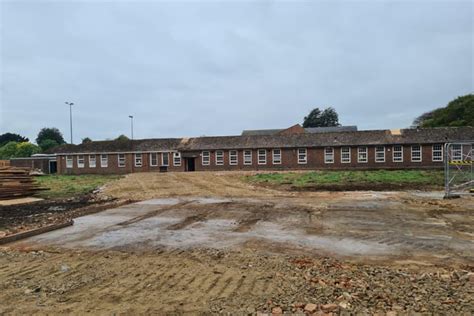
(64, 186)
(359, 177)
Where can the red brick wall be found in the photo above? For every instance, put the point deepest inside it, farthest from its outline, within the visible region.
(315, 160)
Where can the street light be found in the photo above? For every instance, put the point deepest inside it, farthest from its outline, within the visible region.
(131, 124)
(70, 116)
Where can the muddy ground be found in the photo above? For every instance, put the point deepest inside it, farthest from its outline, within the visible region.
(248, 249)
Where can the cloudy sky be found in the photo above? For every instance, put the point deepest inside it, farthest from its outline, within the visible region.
(214, 68)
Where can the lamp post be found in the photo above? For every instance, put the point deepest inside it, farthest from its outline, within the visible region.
(70, 116)
(131, 124)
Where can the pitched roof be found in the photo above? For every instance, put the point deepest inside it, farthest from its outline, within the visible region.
(330, 129)
(357, 138)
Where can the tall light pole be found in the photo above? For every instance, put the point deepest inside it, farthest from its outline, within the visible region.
(131, 124)
(70, 116)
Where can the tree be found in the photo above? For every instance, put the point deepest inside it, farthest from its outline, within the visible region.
(26, 149)
(458, 112)
(86, 140)
(8, 151)
(122, 138)
(11, 137)
(48, 144)
(50, 133)
(326, 118)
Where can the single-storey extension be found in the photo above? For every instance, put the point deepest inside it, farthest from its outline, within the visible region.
(371, 149)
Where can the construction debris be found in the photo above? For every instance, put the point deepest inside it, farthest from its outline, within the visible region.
(17, 182)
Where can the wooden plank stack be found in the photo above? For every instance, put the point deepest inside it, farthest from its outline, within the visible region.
(17, 183)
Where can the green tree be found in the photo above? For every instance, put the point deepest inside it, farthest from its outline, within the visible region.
(26, 149)
(48, 144)
(11, 137)
(8, 150)
(458, 112)
(50, 133)
(318, 118)
(122, 138)
(86, 140)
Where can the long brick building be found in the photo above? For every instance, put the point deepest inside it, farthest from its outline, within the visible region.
(293, 148)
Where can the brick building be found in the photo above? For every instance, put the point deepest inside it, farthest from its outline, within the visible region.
(283, 150)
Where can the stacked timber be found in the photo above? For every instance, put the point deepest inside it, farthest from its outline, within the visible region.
(16, 183)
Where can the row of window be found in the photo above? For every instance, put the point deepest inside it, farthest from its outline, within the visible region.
(121, 160)
(302, 155)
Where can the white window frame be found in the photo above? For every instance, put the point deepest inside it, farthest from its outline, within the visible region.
(260, 155)
(206, 158)
(92, 161)
(276, 157)
(81, 161)
(219, 157)
(154, 156)
(345, 156)
(377, 151)
(394, 151)
(413, 151)
(328, 155)
(104, 161)
(436, 158)
(456, 152)
(362, 150)
(302, 152)
(138, 160)
(233, 157)
(163, 155)
(176, 159)
(247, 157)
(69, 162)
(121, 160)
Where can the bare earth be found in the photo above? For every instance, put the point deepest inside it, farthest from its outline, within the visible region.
(222, 245)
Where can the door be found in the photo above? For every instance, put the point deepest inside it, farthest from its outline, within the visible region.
(190, 166)
(53, 166)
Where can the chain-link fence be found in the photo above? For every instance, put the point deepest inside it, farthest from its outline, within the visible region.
(458, 169)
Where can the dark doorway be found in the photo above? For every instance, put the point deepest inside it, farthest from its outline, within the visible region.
(53, 166)
(190, 166)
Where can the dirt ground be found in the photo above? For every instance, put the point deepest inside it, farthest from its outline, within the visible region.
(223, 245)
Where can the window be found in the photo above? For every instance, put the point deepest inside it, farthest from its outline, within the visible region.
(104, 161)
(91, 161)
(165, 159)
(345, 155)
(276, 159)
(219, 158)
(328, 155)
(247, 157)
(302, 156)
(262, 156)
(176, 159)
(416, 153)
(362, 154)
(379, 154)
(138, 160)
(69, 162)
(121, 160)
(233, 158)
(437, 152)
(153, 159)
(206, 158)
(80, 161)
(456, 152)
(397, 154)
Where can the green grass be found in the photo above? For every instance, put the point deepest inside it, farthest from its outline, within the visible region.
(64, 186)
(396, 177)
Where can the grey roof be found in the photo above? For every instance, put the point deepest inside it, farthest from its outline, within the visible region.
(357, 138)
(252, 132)
(331, 129)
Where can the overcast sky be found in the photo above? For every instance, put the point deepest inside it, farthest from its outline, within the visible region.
(208, 68)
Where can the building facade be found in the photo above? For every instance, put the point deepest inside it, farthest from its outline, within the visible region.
(379, 149)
